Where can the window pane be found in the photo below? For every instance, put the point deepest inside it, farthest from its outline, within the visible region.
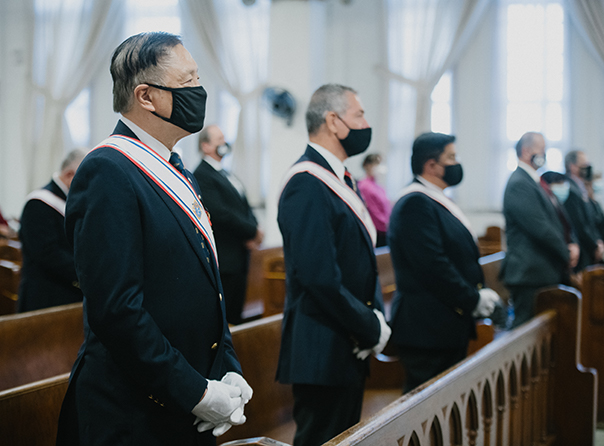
(553, 122)
(512, 162)
(441, 118)
(442, 91)
(554, 159)
(77, 116)
(523, 117)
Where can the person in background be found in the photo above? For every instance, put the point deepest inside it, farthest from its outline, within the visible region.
(333, 318)
(157, 366)
(537, 254)
(557, 189)
(5, 229)
(235, 227)
(440, 284)
(48, 275)
(594, 190)
(375, 197)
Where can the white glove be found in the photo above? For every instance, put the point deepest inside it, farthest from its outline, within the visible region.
(486, 304)
(235, 379)
(218, 406)
(385, 332)
(236, 417)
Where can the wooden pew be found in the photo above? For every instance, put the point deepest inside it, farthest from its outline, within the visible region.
(11, 250)
(592, 327)
(524, 388)
(39, 344)
(491, 265)
(491, 241)
(10, 276)
(254, 306)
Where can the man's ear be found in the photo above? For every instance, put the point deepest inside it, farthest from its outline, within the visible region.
(143, 95)
(330, 121)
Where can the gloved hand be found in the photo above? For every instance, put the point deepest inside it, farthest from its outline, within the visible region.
(235, 379)
(218, 406)
(486, 304)
(385, 332)
(236, 418)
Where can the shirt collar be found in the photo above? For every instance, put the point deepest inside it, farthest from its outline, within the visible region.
(147, 139)
(217, 165)
(430, 185)
(336, 165)
(57, 180)
(529, 169)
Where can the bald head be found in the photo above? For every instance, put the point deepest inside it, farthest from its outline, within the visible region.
(210, 138)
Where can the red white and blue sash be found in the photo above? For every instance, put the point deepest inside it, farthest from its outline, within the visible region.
(345, 193)
(443, 200)
(170, 180)
(46, 196)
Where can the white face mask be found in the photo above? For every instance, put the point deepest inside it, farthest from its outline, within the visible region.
(560, 190)
(598, 186)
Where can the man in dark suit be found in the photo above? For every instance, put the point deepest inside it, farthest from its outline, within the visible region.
(537, 252)
(157, 355)
(580, 211)
(435, 259)
(333, 310)
(48, 276)
(235, 227)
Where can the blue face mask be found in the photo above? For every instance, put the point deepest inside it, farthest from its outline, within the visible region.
(561, 191)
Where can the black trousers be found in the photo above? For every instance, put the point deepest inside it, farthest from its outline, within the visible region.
(234, 286)
(422, 364)
(523, 301)
(322, 412)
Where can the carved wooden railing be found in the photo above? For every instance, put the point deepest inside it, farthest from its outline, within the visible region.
(524, 388)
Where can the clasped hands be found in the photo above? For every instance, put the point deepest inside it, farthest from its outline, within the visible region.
(222, 405)
(385, 332)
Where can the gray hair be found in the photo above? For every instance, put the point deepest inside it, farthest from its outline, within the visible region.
(205, 134)
(139, 59)
(329, 97)
(526, 140)
(76, 155)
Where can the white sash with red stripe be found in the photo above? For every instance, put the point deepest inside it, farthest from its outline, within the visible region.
(442, 200)
(170, 180)
(57, 203)
(345, 193)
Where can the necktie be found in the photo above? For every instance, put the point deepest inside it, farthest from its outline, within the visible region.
(177, 162)
(350, 181)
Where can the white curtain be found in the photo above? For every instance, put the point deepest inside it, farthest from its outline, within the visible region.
(588, 17)
(235, 38)
(73, 39)
(425, 39)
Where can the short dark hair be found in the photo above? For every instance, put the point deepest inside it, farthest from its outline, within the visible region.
(137, 60)
(328, 97)
(372, 158)
(551, 177)
(428, 146)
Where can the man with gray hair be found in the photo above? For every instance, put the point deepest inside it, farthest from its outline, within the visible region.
(333, 318)
(157, 366)
(537, 253)
(48, 276)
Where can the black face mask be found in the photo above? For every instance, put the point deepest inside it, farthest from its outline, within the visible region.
(538, 161)
(586, 173)
(223, 150)
(188, 107)
(453, 174)
(357, 140)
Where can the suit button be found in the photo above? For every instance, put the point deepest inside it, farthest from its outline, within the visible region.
(220, 296)
(203, 245)
(368, 302)
(214, 346)
(459, 311)
(479, 286)
(196, 231)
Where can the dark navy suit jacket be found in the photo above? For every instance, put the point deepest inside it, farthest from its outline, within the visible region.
(537, 253)
(233, 221)
(332, 285)
(48, 276)
(435, 261)
(154, 315)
